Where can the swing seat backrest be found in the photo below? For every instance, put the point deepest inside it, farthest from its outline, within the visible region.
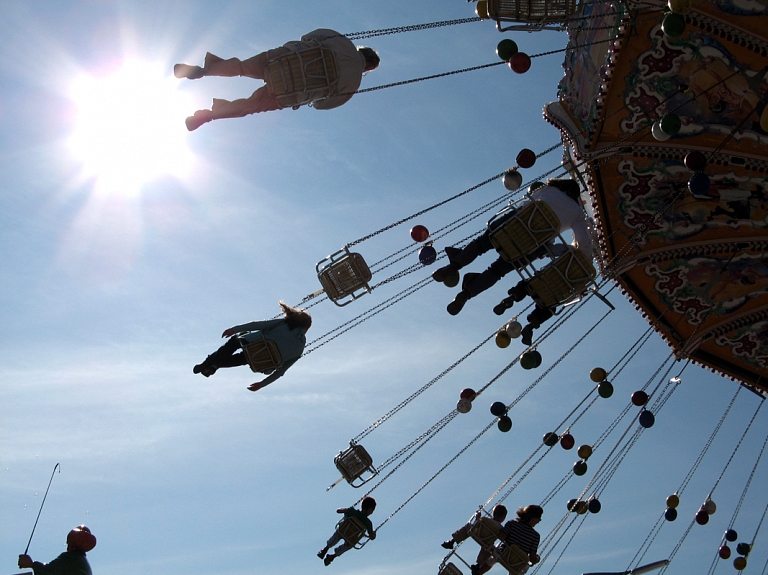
(353, 462)
(563, 279)
(485, 532)
(263, 355)
(301, 72)
(450, 569)
(525, 231)
(532, 11)
(514, 559)
(344, 279)
(352, 531)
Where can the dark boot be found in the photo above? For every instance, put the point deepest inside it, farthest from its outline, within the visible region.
(539, 315)
(453, 255)
(215, 66)
(444, 272)
(458, 303)
(469, 280)
(476, 284)
(188, 72)
(205, 367)
(504, 305)
(228, 355)
(535, 319)
(198, 119)
(518, 292)
(527, 335)
(466, 255)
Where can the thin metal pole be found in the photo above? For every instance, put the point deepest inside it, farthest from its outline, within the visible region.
(55, 467)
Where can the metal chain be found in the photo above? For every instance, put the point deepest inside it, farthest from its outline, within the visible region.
(515, 472)
(613, 425)
(570, 47)
(439, 471)
(432, 431)
(454, 225)
(707, 445)
(422, 440)
(414, 80)
(731, 523)
(369, 314)
(421, 390)
(759, 525)
(357, 317)
(746, 487)
(414, 27)
(439, 425)
(557, 362)
(741, 439)
(677, 547)
(615, 448)
(524, 475)
(649, 539)
(560, 484)
(549, 537)
(451, 226)
(575, 531)
(424, 211)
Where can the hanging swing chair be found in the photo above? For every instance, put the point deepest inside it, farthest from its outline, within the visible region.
(524, 232)
(344, 276)
(352, 531)
(563, 280)
(353, 463)
(485, 532)
(537, 14)
(298, 73)
(450, 569)
(263, 355)
(514, 560)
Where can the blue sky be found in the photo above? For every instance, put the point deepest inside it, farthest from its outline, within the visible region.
(111, 293)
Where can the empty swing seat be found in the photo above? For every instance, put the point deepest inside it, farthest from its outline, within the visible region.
(561, 280)
(533, 11)
(450, 569)
(525, 231)
(344, 276)
(514, 559)
(352, 531)
(300, 72)
(353, 462)
(263, 355)
(485, 532)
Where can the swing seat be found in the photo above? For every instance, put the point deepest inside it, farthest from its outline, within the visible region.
(353, 462)
(563, 279)
(300, 72)
(263, 355)
(450, 569)
(344, 276)
(352, 531)
(514, 559)
(533, 11)
(485, 532)
(525, 231)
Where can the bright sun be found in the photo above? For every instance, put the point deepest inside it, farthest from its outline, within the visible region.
(130, 127)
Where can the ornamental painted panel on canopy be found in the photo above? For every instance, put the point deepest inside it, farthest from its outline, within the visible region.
(668, 123)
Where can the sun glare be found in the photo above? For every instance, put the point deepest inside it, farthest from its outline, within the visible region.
(130, 127)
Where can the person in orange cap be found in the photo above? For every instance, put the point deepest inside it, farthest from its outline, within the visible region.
(72, 562)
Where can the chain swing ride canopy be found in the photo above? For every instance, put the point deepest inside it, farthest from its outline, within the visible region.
(666, 119)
